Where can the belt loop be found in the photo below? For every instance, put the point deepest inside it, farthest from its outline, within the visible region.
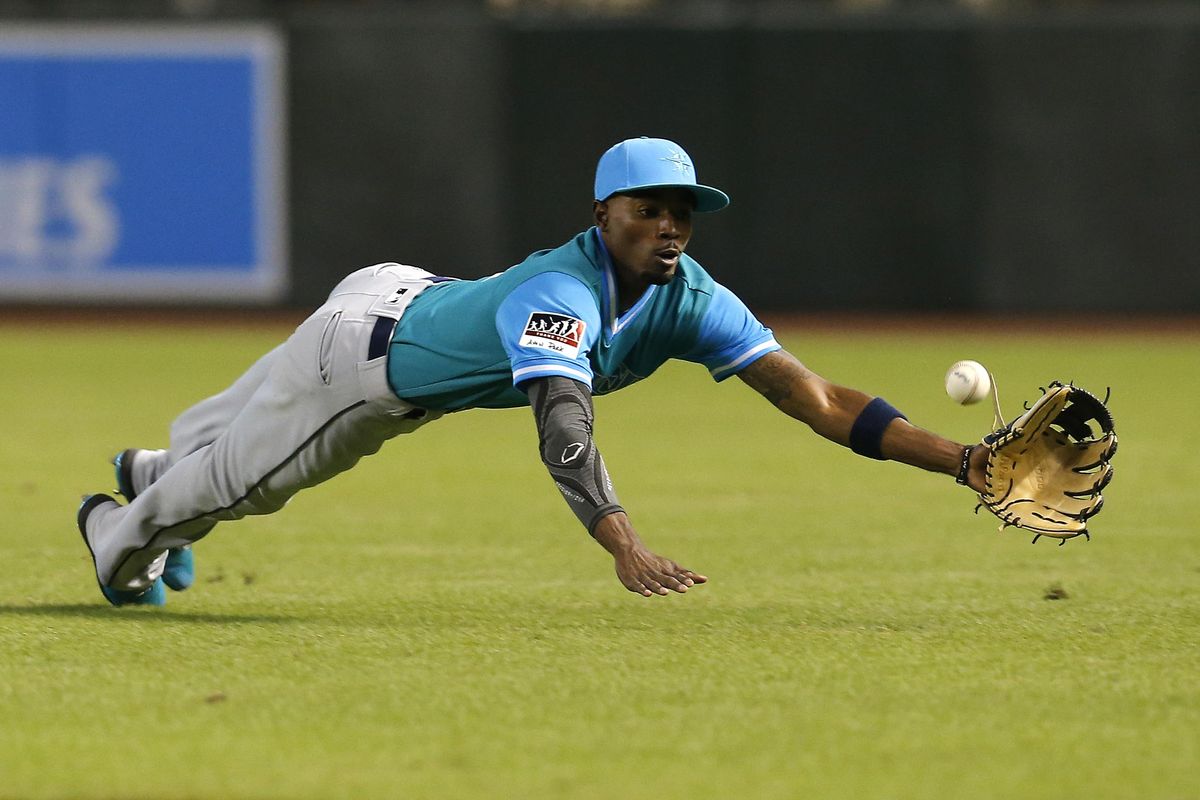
(381, 337)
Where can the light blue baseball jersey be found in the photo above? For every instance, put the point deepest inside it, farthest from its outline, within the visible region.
(472, 344)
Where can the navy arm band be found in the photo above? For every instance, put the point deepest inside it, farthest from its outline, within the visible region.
(867, 433)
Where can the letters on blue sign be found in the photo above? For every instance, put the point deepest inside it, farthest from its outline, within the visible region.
(141, 164)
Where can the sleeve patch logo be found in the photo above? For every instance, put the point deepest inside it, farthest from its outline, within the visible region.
(555, 332)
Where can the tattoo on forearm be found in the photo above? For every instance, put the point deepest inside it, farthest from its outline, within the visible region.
(773, 377)
(777, 395)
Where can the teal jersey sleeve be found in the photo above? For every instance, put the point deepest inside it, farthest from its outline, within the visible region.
(548, 325)
(730, 337)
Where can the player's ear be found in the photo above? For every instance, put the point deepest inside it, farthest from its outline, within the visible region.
(600, 214)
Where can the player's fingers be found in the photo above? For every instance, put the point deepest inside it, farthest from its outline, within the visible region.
(673, 575)
(632, 583)
(637, 587)
(653, 585)
(674, 583)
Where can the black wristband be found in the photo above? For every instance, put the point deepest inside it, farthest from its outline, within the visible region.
(964, 467)
(600, 513)
(866, 435)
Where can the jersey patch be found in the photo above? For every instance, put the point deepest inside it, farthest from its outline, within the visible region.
(555, 332)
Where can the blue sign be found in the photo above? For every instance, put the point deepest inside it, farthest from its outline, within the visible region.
(141, 163)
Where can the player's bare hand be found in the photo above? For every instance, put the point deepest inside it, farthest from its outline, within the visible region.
(638, 568)
(645, 573)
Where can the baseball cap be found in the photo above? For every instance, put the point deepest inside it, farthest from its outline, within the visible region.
(646, 163)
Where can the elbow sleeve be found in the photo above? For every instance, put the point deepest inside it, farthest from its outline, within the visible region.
(563, 410)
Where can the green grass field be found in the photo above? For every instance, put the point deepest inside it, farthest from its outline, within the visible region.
(435, 624)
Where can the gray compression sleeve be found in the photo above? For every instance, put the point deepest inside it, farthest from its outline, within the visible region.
(563, 410)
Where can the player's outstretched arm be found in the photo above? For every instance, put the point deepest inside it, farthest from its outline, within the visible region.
(563, 410)
(834, 412)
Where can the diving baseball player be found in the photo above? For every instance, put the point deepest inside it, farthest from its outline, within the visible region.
(395, 347)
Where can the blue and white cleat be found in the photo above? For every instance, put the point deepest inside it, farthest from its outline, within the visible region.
(180, 572)
(135, 470)
(123, 465)
(156, 595)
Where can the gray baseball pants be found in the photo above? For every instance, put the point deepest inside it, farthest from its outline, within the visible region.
(306, 411)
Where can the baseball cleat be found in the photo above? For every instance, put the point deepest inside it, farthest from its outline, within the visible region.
(156, 595)
(123, 466)
(180, 572)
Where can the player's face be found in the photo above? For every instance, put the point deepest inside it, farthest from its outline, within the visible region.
(646, 233)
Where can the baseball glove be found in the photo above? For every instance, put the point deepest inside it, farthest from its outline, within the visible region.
(1046, 469)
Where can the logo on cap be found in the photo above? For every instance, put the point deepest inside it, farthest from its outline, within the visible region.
(677, 158)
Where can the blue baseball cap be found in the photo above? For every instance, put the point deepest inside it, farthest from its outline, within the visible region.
(645, 163)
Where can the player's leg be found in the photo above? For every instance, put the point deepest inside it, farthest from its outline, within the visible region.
(199, 425)
(319, 410)
(137, 468)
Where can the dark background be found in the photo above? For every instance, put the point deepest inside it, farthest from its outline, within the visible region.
(928, 157)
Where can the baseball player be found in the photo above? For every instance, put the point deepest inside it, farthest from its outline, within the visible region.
(395, 347)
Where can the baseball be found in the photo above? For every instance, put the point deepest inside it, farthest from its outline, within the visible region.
(968, 382)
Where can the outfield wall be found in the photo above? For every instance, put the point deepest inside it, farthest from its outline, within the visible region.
(890, 161)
